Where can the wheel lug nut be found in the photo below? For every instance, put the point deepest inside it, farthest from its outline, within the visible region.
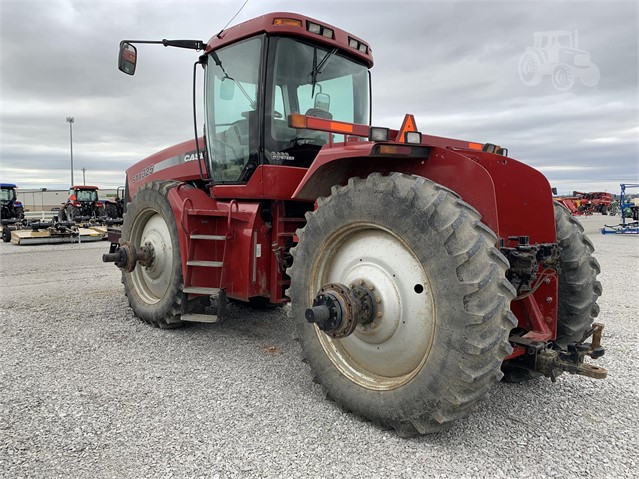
(378, 315)
(378, 299)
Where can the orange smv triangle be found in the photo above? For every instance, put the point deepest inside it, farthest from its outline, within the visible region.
(407, 125)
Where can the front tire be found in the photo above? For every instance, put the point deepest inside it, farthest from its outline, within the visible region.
(444, 301)
(155, 291)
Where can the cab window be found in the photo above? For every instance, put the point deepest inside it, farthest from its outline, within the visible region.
(232, 122)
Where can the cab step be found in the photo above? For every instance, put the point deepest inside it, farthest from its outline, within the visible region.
(206, 264)
(208, 237)
(201, 290)
(199, 318)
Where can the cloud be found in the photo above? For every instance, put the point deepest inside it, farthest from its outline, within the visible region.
(453, 65)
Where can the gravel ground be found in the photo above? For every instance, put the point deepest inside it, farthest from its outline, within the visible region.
(87, 390)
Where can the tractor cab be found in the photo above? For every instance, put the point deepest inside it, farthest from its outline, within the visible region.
(305, 77)
(7, 193)
(260, 73)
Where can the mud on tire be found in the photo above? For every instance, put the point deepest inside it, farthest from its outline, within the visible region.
(457, 329)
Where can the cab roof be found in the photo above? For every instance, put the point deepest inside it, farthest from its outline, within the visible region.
(7, 185)
(84, 187)
(266, 24)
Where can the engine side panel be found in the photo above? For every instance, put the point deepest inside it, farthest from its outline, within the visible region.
(174, 163)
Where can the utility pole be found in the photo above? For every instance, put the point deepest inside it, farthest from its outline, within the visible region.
(84, 179)
(70, 120)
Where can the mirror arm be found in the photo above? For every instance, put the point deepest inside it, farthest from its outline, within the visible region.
(190, 44)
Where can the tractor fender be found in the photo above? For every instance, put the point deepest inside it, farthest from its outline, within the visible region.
(513, 198)
(465, 177)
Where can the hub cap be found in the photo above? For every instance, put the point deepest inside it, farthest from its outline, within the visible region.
(151, 282)
(390, 350)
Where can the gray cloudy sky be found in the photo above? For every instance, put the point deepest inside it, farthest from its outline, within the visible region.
(453, 65)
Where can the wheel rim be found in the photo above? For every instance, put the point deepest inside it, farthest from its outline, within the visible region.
(403, 335)
(151, 230)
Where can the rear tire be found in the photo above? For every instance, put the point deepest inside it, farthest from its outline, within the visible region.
(6, 234)
(438, 347)
(578, 285)
(155, 292)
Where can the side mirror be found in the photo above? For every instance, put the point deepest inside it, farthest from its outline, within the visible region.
(128, 58)
(554, 190)
(227, 89)
(323, 101)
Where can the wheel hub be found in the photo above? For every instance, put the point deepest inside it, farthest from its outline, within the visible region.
(338, 310)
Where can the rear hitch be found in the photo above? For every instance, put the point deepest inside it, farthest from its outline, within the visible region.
(126, 256)
(551, 362)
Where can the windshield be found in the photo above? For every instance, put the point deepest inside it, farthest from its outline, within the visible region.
(6, 194)
(316, 81)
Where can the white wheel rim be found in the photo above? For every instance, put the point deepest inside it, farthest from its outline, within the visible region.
(391, 350)
(152, 282)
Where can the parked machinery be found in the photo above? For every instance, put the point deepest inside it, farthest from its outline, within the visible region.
(11, 210)
(82, 205)
(629, 212)
(420, 269)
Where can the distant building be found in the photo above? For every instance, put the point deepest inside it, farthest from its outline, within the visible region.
(44, 199)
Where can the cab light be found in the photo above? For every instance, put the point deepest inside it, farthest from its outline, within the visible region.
(394, 150)
(295, 120)
(413, 137)
(319, 29)
(379, 134)
(289, 22)
(314, 28)
(475, 146)
(357, 45)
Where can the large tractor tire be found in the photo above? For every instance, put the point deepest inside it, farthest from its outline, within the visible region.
(441, 330)
(62, 216)
(578, 285)
(155, 291)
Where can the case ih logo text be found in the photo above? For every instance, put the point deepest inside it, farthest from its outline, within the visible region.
(144, 173)
(192, 156)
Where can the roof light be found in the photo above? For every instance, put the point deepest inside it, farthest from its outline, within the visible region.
(314, 27)
(289, 22)
(413, 137)
(379, 134)
(327, 32)
(319, 29)
(357, 45)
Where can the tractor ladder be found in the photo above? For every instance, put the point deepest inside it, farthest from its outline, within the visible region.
(215, 266)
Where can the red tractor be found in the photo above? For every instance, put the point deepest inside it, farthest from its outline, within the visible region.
(420, 269)
(83, 204)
